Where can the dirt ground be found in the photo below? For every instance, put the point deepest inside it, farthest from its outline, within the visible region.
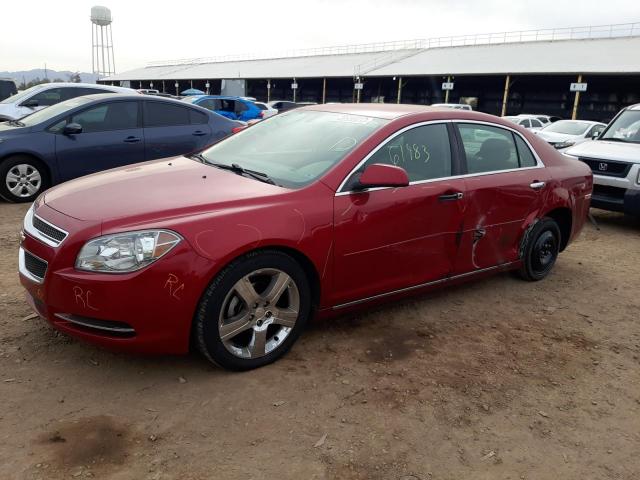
(497, 379)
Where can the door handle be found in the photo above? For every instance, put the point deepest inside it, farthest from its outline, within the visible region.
(537, 185)
(198, 133)
(132, 139)
(451, 197)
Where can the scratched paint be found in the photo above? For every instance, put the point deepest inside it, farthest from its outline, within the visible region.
(84, 298)
(304, 224)
(174, 286)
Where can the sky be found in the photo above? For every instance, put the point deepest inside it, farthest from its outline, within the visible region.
(59, 33)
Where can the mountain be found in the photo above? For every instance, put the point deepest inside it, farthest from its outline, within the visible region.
(30, 75)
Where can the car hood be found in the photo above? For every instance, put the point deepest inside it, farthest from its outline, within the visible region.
(158, 189)
(555, 136)
(7, 130)
(620, 151)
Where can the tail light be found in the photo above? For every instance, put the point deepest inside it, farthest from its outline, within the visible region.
(238, 129)
(262, 114)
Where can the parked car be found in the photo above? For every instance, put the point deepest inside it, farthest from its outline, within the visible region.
(544, 119)
(525, 122)
(283, 105)
(454, 106)
(614, 158)
(235, 108)
(267, 111)
(321, 210)
(97, 132)
(148, 91)
(566, 133)
(47, 94)
(7, 88)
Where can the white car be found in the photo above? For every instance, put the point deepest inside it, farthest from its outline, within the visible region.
(567, 133)
(46, 94)
(544, 119)
(267, 111)
(614, 158)
(455, 106)
(530, 123)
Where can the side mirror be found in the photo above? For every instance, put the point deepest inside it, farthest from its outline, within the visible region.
(72, 129)
(595, 135)
(30, 103)
(382, 175)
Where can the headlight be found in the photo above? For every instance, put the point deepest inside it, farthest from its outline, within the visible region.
(125, 252)
(565, 144)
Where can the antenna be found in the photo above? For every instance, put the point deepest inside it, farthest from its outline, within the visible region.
(102, 59)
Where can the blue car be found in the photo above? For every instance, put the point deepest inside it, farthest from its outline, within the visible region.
(235, 108)
(97, 132)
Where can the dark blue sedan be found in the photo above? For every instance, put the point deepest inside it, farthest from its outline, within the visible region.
(97, 132)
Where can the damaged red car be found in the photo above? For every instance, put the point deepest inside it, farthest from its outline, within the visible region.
(317, 211)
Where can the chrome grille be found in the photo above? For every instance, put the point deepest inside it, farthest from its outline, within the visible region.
(49, 230)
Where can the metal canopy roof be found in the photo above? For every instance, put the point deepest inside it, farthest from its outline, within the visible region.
(597, 55)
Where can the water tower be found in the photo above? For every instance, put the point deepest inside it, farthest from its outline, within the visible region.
(102, 42)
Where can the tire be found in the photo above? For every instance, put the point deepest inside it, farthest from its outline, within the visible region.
(22, 178)
(253, 311)
(541, 250)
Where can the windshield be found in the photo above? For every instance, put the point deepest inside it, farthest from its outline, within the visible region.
(52, 111)
(21, 95)
(568, 127)
(626, 128)
(294, 148)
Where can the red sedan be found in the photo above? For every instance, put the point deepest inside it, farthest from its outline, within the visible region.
(314, 211)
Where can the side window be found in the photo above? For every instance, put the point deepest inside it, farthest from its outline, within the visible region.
(110, 116)
(488, 149)
(536, 123)
(160, 114)
(596, 129)
(209, 104)
(48, 97)
(524, 153)
(525, 123)
(240, 107)
(424, 152)
(197, 118)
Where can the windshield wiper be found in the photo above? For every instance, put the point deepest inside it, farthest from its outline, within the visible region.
(234, 167)
(17, 123)
(616, 139)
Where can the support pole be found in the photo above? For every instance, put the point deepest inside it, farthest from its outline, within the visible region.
(358, 94)
(505, 97)
(446, 92)
(399, 89)
(268, 90)
(576, 101)
(324, 90)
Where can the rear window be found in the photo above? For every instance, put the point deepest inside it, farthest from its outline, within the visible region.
(198, 117)
(160, 114)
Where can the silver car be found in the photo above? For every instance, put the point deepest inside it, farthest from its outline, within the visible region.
(567, 133)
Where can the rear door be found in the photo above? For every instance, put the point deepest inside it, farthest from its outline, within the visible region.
(111, 136)
(393, 238)
(171, 129)
(504, 188)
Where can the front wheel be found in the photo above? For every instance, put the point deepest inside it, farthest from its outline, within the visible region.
(22, 178)
(541, 250)
(253, 311)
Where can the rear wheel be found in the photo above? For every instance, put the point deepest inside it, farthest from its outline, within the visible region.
(22, 178)
(541, 250)
(253, 311)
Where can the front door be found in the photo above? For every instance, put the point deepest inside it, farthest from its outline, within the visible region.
(111, 137)
(504, 190)
(393, 238)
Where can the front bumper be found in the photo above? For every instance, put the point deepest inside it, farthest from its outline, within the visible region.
(148, 311)
(616, 199)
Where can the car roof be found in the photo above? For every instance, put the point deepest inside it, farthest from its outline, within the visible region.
(392, 111)
(634, 107)
(136, 96)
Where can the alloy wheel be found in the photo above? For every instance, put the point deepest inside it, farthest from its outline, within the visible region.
(258, 313)
(23, 180)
